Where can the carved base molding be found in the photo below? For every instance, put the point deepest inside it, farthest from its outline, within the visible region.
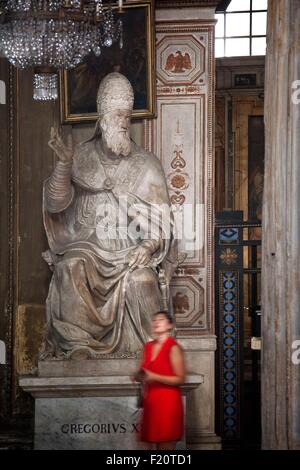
(199, 441)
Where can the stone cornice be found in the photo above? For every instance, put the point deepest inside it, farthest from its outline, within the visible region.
(186, 3)
(102, 386)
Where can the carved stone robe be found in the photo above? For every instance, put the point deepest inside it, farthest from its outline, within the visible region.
(95, 301)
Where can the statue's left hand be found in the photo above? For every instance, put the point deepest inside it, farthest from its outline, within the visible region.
(140, 256)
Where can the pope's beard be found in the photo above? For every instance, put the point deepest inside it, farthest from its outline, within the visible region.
(117, 141)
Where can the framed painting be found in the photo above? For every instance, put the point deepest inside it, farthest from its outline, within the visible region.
(78, 87)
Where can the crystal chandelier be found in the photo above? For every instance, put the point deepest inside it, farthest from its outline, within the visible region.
(56, 34)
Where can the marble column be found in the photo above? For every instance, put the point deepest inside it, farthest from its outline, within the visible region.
(281, 231)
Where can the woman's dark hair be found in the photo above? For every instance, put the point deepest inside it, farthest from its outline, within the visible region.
(166, 314)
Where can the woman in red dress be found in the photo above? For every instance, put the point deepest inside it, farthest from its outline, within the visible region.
(163, 373)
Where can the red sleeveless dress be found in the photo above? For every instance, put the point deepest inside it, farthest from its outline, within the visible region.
(162, 418)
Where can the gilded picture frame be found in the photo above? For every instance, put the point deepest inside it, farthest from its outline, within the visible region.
(78, 87)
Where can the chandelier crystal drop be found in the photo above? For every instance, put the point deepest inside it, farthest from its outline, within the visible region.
(56, 34)
(45, 86)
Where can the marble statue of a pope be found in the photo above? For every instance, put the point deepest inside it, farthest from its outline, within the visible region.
(109, 228)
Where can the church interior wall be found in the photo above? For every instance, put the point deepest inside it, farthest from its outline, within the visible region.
(26, 163)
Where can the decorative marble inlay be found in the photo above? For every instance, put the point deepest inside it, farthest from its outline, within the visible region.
(180, 59)
(229, 236)
(188, 302)
(178, 62)
(178, 181)
(229, 305)
(229, 256)
(181, 303)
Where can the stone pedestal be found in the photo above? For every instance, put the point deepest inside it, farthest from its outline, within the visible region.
(96, 410)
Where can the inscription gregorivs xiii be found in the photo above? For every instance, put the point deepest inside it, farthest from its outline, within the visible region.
(110, 232)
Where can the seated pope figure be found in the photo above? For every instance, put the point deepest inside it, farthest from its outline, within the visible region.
(109, 228)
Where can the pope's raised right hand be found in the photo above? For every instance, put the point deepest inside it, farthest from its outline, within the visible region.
(63, 152)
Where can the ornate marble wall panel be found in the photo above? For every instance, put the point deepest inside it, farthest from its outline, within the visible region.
(181, 136)
(179, 148)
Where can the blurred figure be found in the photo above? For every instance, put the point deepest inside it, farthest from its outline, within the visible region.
(162, 371)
